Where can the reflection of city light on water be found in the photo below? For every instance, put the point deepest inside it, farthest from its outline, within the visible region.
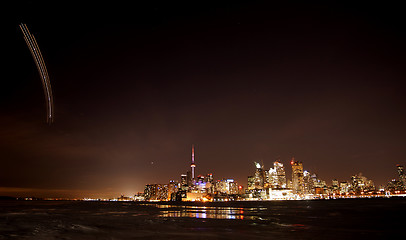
(205, 212)
(201, 215)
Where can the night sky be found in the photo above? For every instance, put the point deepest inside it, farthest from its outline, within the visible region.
(135, 85)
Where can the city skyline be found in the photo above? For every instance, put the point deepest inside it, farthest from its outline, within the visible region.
(296, 182)
(134, 86)
(296, 171)
(263, 184)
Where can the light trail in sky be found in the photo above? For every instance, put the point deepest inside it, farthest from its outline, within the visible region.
(39, 61)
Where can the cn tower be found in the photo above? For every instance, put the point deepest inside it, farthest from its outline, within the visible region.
(193, 165)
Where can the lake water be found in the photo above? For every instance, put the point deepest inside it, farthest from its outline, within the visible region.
(316, 219)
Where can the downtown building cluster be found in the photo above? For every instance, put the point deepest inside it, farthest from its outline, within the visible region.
(192, 187)
(397, 185)
(272, 184)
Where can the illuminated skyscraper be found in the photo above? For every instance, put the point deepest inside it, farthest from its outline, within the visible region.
(272, 178)
(226, 186)
(189, 178)
(183, 179)
(398, 185)
(173, 188)
(233, 187)
(307, 183)
(251, 183)
(316, 185)
(150, 192)
(156, 192)
(259, 176)
(210, 178)
(402, 176)
(360, 183)
(280, 174)
(297, 176)
(344, 187)
(335, 186)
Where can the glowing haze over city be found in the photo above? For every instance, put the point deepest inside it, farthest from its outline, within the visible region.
(135, 87)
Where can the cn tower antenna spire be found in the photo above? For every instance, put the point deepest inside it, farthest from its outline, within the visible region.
(193, 165)
(193, 153)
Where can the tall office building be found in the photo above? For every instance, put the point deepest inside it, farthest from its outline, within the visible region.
(226, 186)
(297, 176)
(280, 174)
(335, 187)
(272, 178)
(189, 178)
(173, 188)
(150, 192)
(183, 181)
(251, 183)
(156, 192)
(209, 178)
(360, 183)
(307, 183)
(344, 187)
(402, 176)
(277, 176)
(259, 176)
(398, 185)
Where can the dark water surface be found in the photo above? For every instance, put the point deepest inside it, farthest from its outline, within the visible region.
(316, 219)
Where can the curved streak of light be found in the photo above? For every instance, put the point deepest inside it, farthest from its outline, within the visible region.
(42, 70)
(39, 62)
